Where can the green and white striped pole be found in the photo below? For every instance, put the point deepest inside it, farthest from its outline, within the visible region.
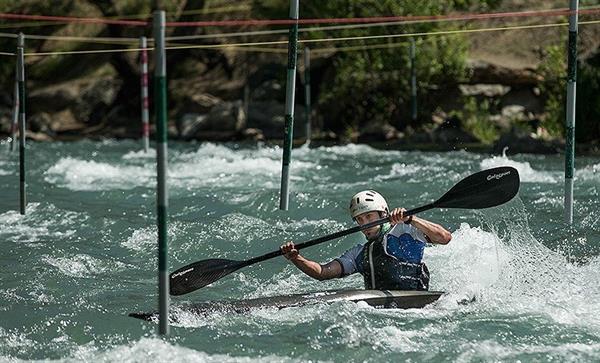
(160, 104)
(413, 81)
(22, 128)
(307, 93)
(290, 93)
(570, 122)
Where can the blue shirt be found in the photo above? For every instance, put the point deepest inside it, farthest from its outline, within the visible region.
(403, 241)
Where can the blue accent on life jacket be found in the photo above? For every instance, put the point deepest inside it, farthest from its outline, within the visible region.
(405, 248)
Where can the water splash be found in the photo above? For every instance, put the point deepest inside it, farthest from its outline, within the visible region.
(85, 175)
(508, 270)
(41, 223)
(141, 154)
(526, 172)
(589, 173)
(158, 350)
(83, 266)
(85, 256)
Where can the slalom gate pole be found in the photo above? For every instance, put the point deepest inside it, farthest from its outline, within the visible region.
(290, 93)
(570, 117)
(22, 126)
(160, 102)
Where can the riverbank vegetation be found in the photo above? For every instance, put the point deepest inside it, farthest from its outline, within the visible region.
(472, 87)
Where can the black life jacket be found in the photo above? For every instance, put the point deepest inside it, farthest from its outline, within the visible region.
(385, 272)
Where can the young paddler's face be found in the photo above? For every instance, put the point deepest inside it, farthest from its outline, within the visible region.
(367, 218)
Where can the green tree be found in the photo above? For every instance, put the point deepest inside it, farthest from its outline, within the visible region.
(373, 85)
(554, 88)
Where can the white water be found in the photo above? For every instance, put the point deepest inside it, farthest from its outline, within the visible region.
(520, 285)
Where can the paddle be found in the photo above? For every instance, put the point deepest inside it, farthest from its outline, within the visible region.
(484, 189)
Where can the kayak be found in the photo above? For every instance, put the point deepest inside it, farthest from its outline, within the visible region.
(383, 299)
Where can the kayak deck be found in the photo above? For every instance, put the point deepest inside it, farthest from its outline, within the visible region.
(385, 299)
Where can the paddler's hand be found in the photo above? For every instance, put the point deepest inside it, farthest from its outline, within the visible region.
(289, 251)
(397, 216)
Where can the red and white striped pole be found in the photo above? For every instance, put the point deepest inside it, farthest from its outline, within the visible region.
(144, 88)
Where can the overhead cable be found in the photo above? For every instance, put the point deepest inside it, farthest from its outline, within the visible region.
(265, 22)
(339, 39)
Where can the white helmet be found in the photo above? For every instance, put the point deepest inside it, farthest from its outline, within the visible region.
(367, 201)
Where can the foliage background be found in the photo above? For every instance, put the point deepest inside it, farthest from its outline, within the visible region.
(351, 89)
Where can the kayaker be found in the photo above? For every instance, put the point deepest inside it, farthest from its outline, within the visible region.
(391, 259)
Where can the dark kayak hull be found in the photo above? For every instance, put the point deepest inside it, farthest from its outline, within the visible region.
(385, 299)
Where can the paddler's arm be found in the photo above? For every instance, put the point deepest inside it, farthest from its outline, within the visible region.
(433, 231)
(313, 269)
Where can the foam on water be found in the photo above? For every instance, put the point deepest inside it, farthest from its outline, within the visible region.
(526, 172)
(14, 339)
(5, 168)
(316, 227)
(493, 351)
(83, 265)
(326, 328)
(226, 230)
(11, 296)
(514, 273)
(553, 201)
(470, 263)
(213, 164)
(84, 175)
(41, 223)
(140, 154)
(414, 173)
(142, 239)
(216, 164)
(589, 173)
(143, 242)
(355, 149)
(146, 349)
(39, 293)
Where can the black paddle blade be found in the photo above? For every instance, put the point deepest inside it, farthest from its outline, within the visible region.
(200, 274)
(487, 188)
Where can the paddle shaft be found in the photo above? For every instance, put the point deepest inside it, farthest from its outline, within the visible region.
(335, 235)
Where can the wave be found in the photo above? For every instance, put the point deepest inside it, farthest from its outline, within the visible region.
(82, 265)
(140, 154)
(526, 172)
(589, 173)
(41, 223)
(86, 175)
(514, 273)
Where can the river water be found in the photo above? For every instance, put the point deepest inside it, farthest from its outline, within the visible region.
(521, 284)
